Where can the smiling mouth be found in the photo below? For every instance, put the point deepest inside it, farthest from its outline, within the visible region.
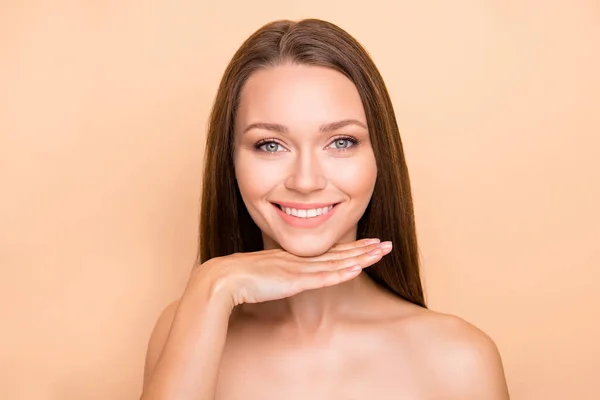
(306, 213)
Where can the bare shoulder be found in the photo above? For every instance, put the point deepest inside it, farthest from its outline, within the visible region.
(464, 361)
(158, 338)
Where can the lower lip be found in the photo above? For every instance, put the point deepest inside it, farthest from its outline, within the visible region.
(312, 222)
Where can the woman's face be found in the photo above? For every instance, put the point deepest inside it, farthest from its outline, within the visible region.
(303, 160)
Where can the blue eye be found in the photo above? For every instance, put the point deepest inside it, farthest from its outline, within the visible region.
(269, 146)
(343, 143)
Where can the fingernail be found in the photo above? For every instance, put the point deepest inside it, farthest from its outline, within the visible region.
(385, 245)
(374, 252)
(372, 241)
(354, 268)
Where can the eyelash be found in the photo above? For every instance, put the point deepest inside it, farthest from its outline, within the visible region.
(261, 143)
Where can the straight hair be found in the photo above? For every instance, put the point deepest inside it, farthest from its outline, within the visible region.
(225, 224)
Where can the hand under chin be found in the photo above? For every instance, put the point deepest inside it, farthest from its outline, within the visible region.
(308, 248)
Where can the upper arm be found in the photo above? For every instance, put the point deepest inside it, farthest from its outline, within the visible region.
(473, 364)
(483, 371)
(158, 339)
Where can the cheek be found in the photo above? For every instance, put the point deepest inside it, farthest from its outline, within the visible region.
(357, 177)
(254, 178)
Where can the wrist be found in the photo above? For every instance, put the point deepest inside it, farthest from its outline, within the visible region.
(210, 289)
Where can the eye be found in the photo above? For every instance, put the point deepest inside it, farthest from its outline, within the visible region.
(343, 143)
(269, 146)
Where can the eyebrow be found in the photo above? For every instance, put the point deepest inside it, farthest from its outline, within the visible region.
(333, 126)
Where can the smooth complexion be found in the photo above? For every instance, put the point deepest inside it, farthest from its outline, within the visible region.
(302, 143)
(301, 137)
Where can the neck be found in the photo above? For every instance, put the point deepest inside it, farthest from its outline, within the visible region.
(318, 309)
(315, 310)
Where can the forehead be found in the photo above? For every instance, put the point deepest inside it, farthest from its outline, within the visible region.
(298, 96)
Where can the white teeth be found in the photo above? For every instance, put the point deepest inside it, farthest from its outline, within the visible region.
(306, 213)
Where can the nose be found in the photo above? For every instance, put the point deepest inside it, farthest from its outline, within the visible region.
(306, 175)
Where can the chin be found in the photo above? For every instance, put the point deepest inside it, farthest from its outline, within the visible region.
(306, 246)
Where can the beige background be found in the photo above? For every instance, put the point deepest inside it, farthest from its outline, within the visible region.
(103, 106)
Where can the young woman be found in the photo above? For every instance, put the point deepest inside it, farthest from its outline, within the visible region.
(307, 284)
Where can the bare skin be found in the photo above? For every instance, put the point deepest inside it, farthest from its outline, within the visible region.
(376, 347)
(186, 347)
(373, 345)
(293, 321)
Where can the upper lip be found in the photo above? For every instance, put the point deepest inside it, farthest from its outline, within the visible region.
(303, 206)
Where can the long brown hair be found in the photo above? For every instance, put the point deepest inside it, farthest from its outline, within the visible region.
(225, 225)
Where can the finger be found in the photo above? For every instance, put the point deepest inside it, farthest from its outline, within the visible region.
(358, 244)
(355, 244)
(358, 247)
(352, 252)
(364, 260)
